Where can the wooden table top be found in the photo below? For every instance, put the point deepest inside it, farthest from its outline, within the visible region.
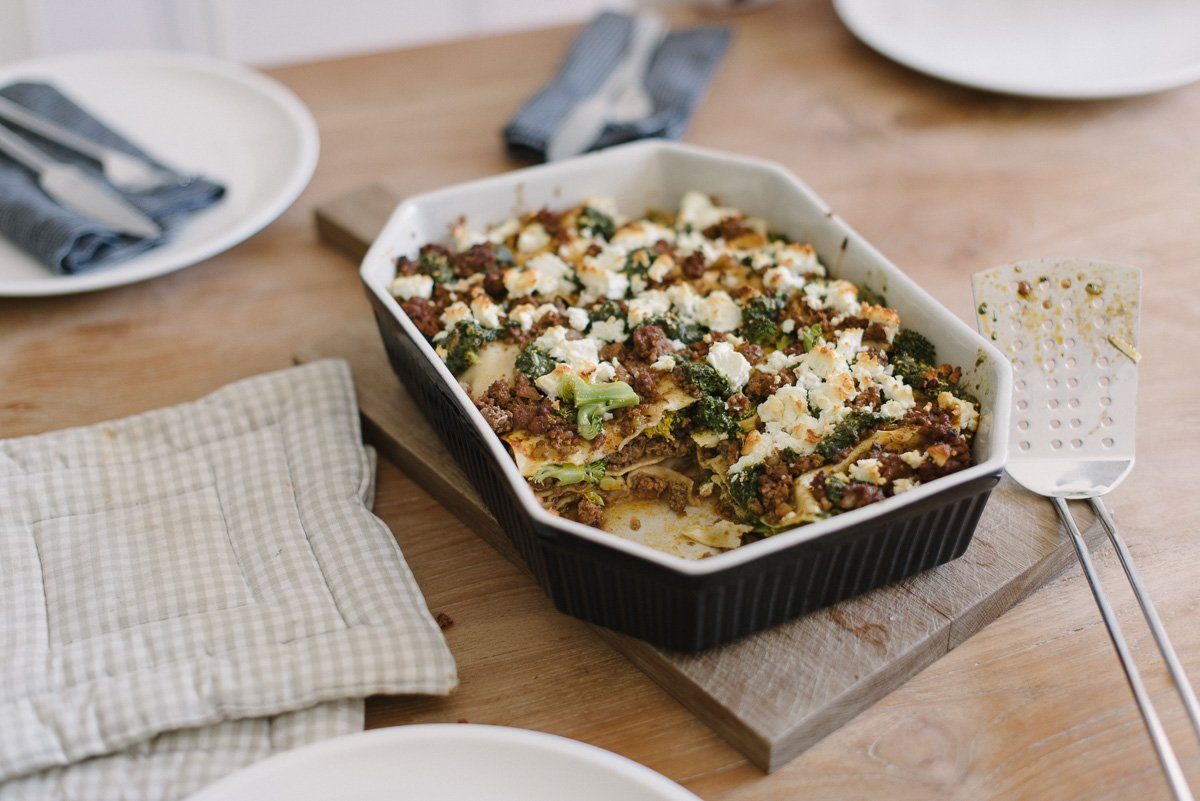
(944, 180)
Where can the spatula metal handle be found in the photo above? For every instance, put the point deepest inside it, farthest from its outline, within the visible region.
(1186, 693)
(1166, 755)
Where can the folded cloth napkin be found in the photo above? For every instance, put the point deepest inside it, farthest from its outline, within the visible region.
(677, 76)
(61, 239)
(193, 588)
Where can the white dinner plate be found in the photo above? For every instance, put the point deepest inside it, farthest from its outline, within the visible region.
(447, 762)
(197, 114)
(1067, 49)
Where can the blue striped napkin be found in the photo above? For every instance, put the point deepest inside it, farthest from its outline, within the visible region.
(677, 77)
(59, 238)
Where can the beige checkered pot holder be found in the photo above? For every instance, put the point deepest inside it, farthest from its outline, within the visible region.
(209, 562)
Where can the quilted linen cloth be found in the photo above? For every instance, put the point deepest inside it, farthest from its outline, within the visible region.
(188, 590)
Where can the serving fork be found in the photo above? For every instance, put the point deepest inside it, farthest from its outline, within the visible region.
(1069, 327)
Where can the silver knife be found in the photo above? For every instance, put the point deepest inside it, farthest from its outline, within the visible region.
(74, 189)
(584, 123)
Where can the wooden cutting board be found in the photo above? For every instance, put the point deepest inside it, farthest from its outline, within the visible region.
(775, 693)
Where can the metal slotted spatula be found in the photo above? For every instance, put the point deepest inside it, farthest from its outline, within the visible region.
(1070, 327)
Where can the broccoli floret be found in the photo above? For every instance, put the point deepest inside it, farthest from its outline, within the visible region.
(847, 433)
(463, 343)
(705, 378)
(909, 343)
(535, 362)
(592, 401)
(760, 321)
(664, 428)
(596, 221)
(743, 486)
(710, 414)
(571, 473)
(811, 336)
(435, 262)
(676, 328)
(604, 310)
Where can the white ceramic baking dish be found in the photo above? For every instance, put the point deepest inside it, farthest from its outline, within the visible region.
(627, 585)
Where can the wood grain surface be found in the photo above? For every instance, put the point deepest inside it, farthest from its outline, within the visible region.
(946, 181)
(774, 694)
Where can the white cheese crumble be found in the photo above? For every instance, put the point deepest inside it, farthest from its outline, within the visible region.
(551, 272)
(661, 268)
(577, 317)
(899, 397)
(666, 362)
(867, 471)
(464, 238)
(730, 364)
(533, 238)
(720, 312)
(499, 234)
(642, 234)
(697, 210)
(412, 286)
(581, 354)
(486, 311)
(904, 485)
(963, 411)
(599, 282)
(610, 330)
(455, 313)
(648, 305)
(912, 458)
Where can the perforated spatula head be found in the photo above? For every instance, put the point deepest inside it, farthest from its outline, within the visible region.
(1069, 327)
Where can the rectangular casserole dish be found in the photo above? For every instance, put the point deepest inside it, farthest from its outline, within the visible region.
(668, 601)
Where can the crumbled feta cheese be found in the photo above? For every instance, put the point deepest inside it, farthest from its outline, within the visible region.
(610, 330)
(486, 311)
(551, 272)
(777, 360)
(533, 238)
(551, 381)
(465, 238)
(814, 295)
(787, 409)
(730, 364)
(599, 282)
(520, 282)
(867, 369)
(798, 257)
(581, 354)
(867, 471)
(412, 286)
(647, 305)
(661, 268)
(899, 395)
(642, 234)
(577, 317)
(499, 234)
(888, 319)
(604, 373)
(666, 362)
(849, 342)
(455, 313)
(720, 312)
(904, 485)
(610, 257)
(781, 279)
(912, 458)
(788, 425)
(842, 296)
(696, 242)
(965, 416)
(697, 210)
(685, 300)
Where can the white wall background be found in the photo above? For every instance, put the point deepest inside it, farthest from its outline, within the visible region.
(269, 32)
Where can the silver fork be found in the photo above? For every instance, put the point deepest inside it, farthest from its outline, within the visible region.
(1069, 327)
(125, 172)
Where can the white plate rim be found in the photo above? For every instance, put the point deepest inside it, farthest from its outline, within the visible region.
(252, 776)
(130, 272)
(851, 12)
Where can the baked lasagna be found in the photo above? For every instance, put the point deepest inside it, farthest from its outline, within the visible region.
(687, 379)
